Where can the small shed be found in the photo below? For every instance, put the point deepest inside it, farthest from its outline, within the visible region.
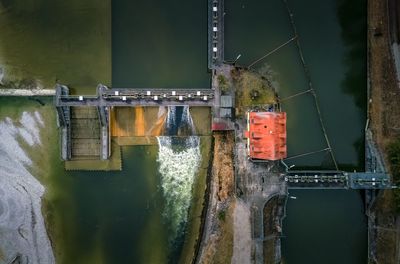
(226, 101)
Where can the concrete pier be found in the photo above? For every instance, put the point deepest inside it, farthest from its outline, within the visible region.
(78, 132)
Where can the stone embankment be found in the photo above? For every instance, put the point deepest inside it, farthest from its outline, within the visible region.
(23, 233)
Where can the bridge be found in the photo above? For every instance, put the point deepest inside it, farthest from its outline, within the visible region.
(106, 98)
(99, 105)
(331, 179)
(137, 97)
(215, 33)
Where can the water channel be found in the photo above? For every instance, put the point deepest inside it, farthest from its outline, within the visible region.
(117, 217)
(321, 226)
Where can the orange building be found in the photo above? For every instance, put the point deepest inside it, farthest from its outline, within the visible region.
(266, 135)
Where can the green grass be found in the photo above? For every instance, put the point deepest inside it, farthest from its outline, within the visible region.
(252, 90)
(393, 152)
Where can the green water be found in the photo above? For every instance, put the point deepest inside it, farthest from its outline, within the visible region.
(45, 41)
(116, 217)
(159, 44)
(321, 226)
(106, 217)
(112, 217)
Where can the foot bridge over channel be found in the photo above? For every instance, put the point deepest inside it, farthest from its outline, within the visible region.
(327, 179)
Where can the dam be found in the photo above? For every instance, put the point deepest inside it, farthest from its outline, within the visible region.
(95, 143)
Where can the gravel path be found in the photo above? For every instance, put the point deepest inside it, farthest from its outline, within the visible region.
(242, 234)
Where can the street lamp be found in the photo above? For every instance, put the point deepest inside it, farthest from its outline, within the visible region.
(237, 59)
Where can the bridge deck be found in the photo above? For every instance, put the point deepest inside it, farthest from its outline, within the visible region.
(139, 97)
(215, 33)
(336, 180)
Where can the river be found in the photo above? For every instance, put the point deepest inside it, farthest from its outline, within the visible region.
(129, 216)
(115, 217)
(321, 226)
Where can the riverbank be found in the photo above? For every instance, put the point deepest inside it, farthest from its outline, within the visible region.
(217, 238)
(27, 92)
(384, 114)
(21, 221)
(195, 216)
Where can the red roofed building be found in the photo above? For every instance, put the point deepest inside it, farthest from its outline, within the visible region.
(266, 135)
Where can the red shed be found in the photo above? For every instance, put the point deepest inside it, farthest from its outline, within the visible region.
(266, 135)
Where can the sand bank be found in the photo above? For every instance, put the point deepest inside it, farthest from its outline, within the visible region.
(22, 230)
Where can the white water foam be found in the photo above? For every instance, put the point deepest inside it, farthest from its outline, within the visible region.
(178, 171)
(178, 166)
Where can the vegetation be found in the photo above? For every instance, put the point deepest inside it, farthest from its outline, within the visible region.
(394, 159)
(223, 83)
(221, 215)
(252, 90)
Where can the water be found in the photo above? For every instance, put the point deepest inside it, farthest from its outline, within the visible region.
(49, 41)
(111, 217)
(329, 231)
(178, 170)
(179, 159)
(117, 217)
(333, 38)
(159, 43)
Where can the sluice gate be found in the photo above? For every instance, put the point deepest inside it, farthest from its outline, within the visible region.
(83, 129)
(88, 137)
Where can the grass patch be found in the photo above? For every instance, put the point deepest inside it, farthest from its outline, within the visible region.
(225, 243)
(223, 83)
(221, 215)
(251, 90)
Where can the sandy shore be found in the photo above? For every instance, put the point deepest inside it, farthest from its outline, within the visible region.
(22, 230)
(27, 92)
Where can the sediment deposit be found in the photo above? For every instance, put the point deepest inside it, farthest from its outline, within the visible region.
(23, 234)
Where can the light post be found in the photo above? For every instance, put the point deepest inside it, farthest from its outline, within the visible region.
(240, 55)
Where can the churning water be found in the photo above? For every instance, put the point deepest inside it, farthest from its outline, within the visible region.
(179, 159)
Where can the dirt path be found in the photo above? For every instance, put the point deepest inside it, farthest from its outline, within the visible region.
(217, 241)
(384, 114)
(242, 234)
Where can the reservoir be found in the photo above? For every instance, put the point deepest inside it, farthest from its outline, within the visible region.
(321, 226)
